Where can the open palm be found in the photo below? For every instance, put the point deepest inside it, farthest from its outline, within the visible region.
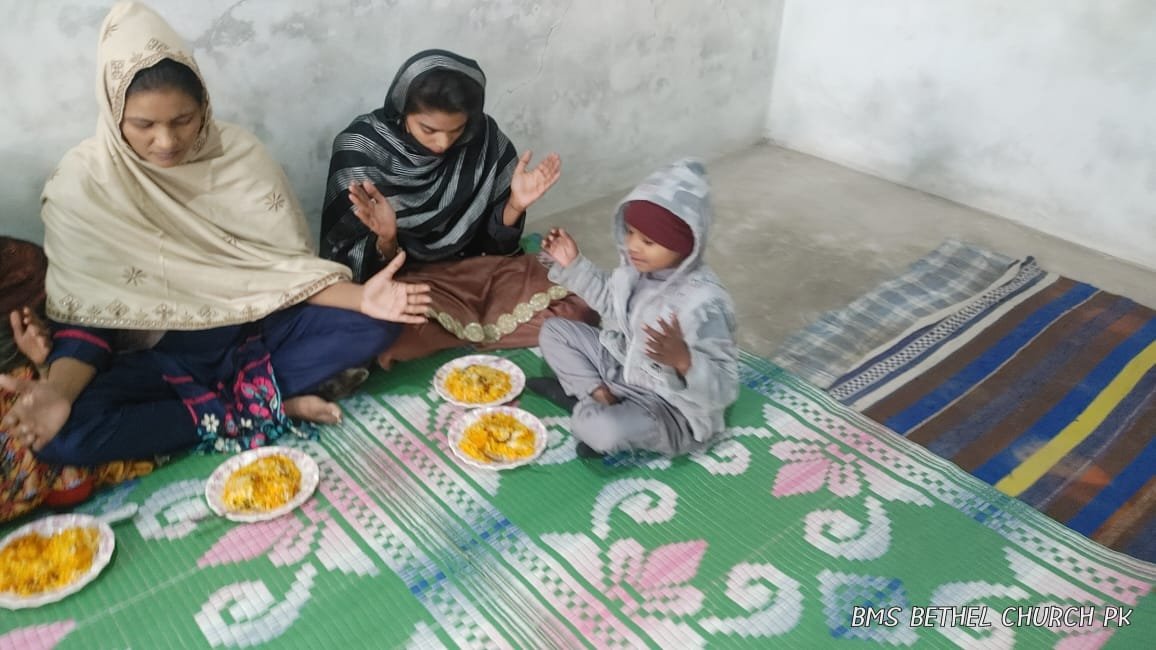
(560, 246)
(373, 210)
(667, 345)
(528, 185)
(385, 298)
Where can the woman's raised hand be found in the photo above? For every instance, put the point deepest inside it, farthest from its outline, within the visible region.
(373, 209)
(528, 185)
(384, 298)
(559, 245)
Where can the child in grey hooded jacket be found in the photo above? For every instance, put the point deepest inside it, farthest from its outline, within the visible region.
(663, 368)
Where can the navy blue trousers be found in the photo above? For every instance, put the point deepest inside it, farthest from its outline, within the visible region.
(129, 411)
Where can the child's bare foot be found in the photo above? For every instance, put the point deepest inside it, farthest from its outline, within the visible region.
(31, 335)
(602, 395)
(312, 408)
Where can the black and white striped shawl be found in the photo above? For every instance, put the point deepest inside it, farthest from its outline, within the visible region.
(441, 200)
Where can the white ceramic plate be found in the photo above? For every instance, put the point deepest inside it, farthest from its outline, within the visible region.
(106, 542)
(517, 378)
(215, 487)
(463, 422)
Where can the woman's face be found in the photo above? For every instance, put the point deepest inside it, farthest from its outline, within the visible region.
(161, 125)
(436, 130)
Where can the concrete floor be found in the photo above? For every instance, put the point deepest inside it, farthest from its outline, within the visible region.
(795, 236)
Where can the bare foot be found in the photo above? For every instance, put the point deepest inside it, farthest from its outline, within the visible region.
(312, 408)
(31, 335)
(602, 395)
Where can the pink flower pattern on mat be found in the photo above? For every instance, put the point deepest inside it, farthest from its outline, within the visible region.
(810, 466)
(286, 540)
(37, 637)
(655, 583)
(247, 542)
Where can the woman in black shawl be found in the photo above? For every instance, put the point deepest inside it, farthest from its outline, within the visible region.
(432, 174)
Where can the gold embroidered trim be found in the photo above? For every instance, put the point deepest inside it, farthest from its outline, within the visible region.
(488, 333)
(115, 315)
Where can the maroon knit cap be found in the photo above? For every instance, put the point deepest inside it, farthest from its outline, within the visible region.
(661, 226)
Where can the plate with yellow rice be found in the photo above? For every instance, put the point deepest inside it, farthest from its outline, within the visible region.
(51, 558)
(262, 484)
(497, 437)
(479, 380)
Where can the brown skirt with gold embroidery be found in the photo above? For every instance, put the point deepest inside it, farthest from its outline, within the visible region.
(487, 303)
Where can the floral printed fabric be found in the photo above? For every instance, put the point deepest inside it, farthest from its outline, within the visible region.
(244, 412)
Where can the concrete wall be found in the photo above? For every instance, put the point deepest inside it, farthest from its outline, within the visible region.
(615, 87)
(1042, 111)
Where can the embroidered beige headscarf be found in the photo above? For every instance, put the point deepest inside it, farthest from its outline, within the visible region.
(217, 240)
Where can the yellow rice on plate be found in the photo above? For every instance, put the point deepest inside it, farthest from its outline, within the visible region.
(478, 384)
(497, 437)
(265, 484)
(33, 563)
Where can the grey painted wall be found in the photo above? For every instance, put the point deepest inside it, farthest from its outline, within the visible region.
(1042, 111)
(617, 87)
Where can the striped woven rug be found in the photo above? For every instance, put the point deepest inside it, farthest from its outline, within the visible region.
(1040, 385)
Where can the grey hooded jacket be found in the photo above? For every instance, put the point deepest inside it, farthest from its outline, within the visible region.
(693, 293)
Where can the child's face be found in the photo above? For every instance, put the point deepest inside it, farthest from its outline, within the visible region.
(648, 256)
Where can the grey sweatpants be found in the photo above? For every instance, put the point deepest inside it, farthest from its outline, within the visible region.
(641, 420)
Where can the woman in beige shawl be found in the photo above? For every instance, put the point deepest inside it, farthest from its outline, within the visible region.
(186, 299)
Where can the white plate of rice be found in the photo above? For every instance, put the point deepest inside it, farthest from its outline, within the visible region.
(223, 498)
(479, 381)
(529, 447)
(24, 573)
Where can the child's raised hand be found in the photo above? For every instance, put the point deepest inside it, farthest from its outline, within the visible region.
(559, 245)
(668, 346)
(31, 335)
